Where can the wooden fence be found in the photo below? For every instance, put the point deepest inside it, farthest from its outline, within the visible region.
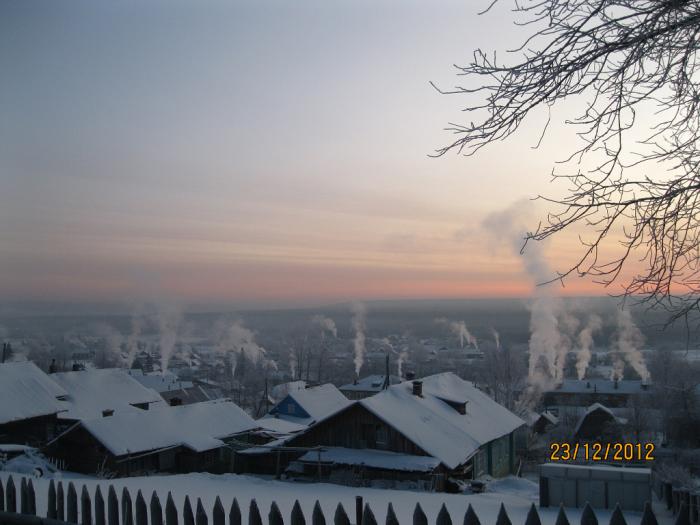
(64, 505)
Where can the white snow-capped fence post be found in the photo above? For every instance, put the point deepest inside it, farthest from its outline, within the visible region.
(31, 496)
(23, 500)
(340, 517)
(588, 517)
(127, 508)
(533, 518)
(112, 506)
(85, 507)
(60, 502)
(141, 513)
(200, 517)
(71, 504)
(648, 517)
(254, 517)
(317, 517)
(50, 501)
(10, 495)
(359, 504)
(503, 518)
(470, 517)
(187, 514)
(156, 510)
(170, 511)
(2, 498)
(561, 516)
(234, 513)
(419, 517)
(99, 507)
(218, 516)
(297, 514)
(274, 517)
(368, 516)
(617, 518)
(443, 517)
(391, 518)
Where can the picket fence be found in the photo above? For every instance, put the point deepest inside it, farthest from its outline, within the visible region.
(62, 508)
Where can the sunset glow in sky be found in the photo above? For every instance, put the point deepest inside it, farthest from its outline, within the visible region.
(254, 152)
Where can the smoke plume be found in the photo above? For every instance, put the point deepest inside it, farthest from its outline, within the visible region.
(627, 341)
(585, 343)
(326, 324)
(359, 314)
(459, 328)
(169, 318)
(496, 338)
(403, 354)
(236, 339)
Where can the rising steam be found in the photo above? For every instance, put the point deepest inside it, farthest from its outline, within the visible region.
(237, 340)
(496, 338)
(326, 324)
(585, 343)
(169, 319)
(627, 341)
(459, 328)
(359, 314)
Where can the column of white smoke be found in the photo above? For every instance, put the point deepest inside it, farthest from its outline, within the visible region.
(169, 318)
(585, 343)
(545, 346)
(359, 313)
(326, 324)
(237, 338)
(292, 362)
(628, 342)
(459, 328)
(496, 338)
(401, 360)
(132, 341)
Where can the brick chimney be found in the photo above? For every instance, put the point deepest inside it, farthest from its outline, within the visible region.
(418, 388)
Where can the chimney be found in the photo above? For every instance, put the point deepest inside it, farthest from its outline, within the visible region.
(615, 383)
(588, 384)
(387, 380)
(644, 385)
(108, 412)
(418, 388)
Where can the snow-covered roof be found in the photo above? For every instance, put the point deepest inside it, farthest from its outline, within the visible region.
(595, 407)
(279, 426)
(27, 392)
(279, 392)
(380, 459)
(602, 386)
(199, 427)
(92, 391)
(159, 382)
(437, 427)
(319, 402)
(372, 383)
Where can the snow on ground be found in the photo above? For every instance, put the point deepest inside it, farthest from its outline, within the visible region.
(516, 493)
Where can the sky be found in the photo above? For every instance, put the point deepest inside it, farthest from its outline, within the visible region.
(257, 153)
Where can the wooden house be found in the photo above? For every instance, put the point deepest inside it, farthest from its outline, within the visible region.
(187, 438)
(441, 422)
(29, 404)
(369, 385)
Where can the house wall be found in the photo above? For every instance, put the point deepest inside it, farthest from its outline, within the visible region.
(35, 431)
(356, 427)
(289, 407)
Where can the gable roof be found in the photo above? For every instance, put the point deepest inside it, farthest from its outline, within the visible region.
(437, 427)
(371, 383)
(319, 402)
(199, 427)
(94, 390)
(27, 392)
(597, 407)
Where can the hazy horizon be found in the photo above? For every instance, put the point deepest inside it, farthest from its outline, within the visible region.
(259, 154)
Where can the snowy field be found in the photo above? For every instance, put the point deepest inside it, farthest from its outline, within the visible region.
(516, 493)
